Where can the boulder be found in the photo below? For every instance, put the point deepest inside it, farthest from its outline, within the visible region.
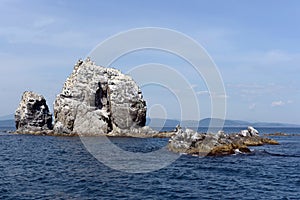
(33, 114)
(249, 132)
(253, 131)
(96, 100)
(141, 132)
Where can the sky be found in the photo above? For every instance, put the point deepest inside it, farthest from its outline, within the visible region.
(254, 44)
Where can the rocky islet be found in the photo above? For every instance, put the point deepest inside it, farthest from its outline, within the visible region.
(191, 142)
(95, 100)
(98, 101)
(33, 115)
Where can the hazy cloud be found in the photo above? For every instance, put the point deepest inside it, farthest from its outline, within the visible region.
(43, 22)
(258, 59)
(277, 103)
(252, 106)
(212, 94)
(204, 92)
(254, 90)
(59, 38)
(215, 95)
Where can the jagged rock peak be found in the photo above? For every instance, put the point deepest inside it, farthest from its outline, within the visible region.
(33, 113)
(98, 100)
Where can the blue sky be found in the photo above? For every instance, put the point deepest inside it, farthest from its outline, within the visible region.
(255, 45)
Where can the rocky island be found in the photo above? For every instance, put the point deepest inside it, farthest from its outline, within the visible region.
(100, 101)
(95, 100)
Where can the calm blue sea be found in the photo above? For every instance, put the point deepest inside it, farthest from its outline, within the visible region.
(46, 167)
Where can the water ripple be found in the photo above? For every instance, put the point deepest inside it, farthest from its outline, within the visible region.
(37, 167)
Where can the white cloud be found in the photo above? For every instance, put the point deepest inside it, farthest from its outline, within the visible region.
(260, 58)
(255, 90)
(223, 96)
(203, 92)
(193, 86)
(59, 38)
(252, 106)
(215, 37)
(277, 103)
(281, 103)
(212, 94)
(43, 22)
(276, 56)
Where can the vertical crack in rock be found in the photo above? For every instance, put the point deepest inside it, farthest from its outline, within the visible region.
(99, 97)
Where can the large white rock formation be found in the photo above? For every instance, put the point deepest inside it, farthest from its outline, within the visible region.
(96, 100)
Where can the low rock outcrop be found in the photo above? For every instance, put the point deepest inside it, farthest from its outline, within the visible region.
(33, 114)
(281, 134)
(191, 142)
(97, 100)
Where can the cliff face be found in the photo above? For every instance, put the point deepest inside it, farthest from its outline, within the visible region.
(33, 114)
(96, 100)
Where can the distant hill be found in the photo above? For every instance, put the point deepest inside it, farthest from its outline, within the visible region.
(156, 122)
(227, 123)
(7, 121)
(185, 123)
(10, 123)
(239, 123)
(7, 117)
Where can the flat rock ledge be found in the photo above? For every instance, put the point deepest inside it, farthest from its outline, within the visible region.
(145, 132)
(190, 142)
(281, 134)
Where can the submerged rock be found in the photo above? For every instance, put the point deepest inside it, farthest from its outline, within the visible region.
(33, 114)
(191, 142)
(96, 101)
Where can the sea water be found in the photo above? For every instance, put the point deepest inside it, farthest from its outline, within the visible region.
(48, 167)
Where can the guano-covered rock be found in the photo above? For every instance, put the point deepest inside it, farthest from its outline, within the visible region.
(96, 100)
